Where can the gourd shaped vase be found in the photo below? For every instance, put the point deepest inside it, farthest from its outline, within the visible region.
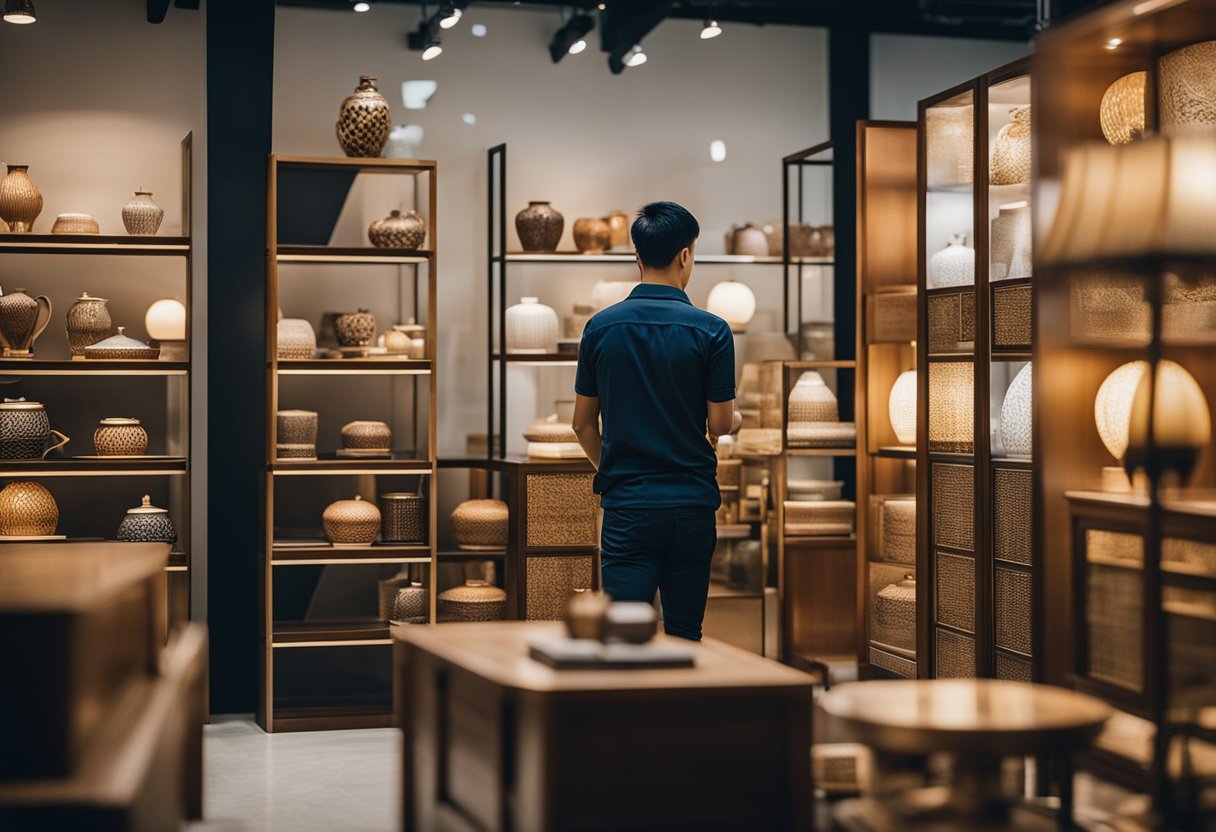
(398, 230)
(954, 265)
(20, 200)
(592, 235)
(364, 120)
(1011, 151)
(532, 327)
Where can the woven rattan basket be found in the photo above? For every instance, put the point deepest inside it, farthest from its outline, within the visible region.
(899, 530)
(475, 601)
(810, 490)
(827, 517)
(480, 524)
(388, 591)
(403, 518)
(895, 614)
(822, 434)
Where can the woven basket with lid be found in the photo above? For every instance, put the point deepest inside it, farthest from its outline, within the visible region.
(895, 614)
(480, 524)
(351, 522)
(474, 601)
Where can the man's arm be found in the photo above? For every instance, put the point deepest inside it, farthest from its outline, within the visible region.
(723, 418)
(587, 426)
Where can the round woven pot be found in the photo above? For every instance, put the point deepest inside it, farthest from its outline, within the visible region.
(406, 231)
(475, 601)
(355, 329)
(295, 339)
(351, 522)
(1122, 110)
(532, 327)
(1186, 89)
(75, 224)
(1011, 151)
(147, 524)
(539, 227)
(27, 509)
(403, 518)
(367, 436)
(25, 431)
(120, 436)
(592, 235)
(550, 429)
(480, 524)
(364, 120)
(811, 400)
(88, 322)
(895, 615)
(20, 199)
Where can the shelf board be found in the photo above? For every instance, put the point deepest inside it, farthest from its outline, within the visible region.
(330, 634)
(808, 541)
(321, 553)
(575, 257)
(896, 452)
(352, 255)
(820, 365)
(1021, 463)
(462, 554)
(901, 652)
(555, 358)
(85, 367)
(821, 451)
(94, 467)
(1194, 502)
(363, 164)
(352, 366)
(320, 719)
(320, 467)
(95, 244)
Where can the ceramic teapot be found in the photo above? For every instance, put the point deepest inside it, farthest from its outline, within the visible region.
(25, 430)
(22, 320)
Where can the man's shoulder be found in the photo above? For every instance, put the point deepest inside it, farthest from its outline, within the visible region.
(676, 314)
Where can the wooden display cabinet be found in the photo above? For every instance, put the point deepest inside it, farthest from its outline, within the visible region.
(326, 661)
(1131, 586)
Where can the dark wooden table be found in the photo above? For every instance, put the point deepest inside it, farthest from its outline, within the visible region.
(981, 722)
(495, 740)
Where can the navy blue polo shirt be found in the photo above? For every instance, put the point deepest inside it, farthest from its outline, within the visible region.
(654, 360)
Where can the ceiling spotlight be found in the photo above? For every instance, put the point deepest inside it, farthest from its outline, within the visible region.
(19, 11)
(1114, 43)
(572, 37)
(362, 7)
(433, 51)
(711, 29)
(449, 15)
(635, 56)
(425, 39)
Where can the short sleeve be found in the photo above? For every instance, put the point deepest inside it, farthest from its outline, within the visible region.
(585, 383)
(720, 373)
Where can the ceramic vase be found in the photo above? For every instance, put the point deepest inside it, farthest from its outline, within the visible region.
(406, 231)
(364, 120)
(355, 329)
(531, 327)
(954, 265)
(1186, 89)
(351, 522)
(141, 216)
(120, 436)
(1016, 416)
(539, 227)
(147, 524)
(618, 229)
(811, 400)
(88, 322)
(1011, 150)
(948, 145)
(746, 240)
(22, 320)
(591, 235)
(410, 604)
(27, 509)
(1011, 256)
(295, 339)
(20, 200)
(480, 524)
(25, 431)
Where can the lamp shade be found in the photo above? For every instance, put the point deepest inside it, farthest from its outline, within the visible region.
(901, 407)
(1016, 416)
(1113, 406)
(1122, 111)
(1182, 423)
(165, 320)
(733, 302)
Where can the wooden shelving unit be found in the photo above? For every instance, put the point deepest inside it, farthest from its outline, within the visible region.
(93, 493)
(326, 660)
(978, 579)
(1131, 580)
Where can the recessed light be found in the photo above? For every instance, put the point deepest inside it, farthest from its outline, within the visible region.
(478, 30)
(717, 150)
(362, 7)
(469, 119)
(1114, 43)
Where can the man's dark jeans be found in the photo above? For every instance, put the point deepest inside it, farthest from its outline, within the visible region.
(668, 549)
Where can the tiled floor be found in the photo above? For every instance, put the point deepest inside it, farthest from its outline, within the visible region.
(321, 781)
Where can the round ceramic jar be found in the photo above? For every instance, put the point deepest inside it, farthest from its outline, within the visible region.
(406, 231)
(592, 235)
(351, 522)
(88, 322)
(410, 604)
(355, 329)
(404, 518)
(480, 524)
(121, 348)
(475, 601)
(364, 120)
(367, 436)
(120, 436)
(811, 400)
(539, 227)
(147, 524)
(27, 509)
(25, 430)
(953, 265)
(532, 327)
(141, 215)
(295, 339)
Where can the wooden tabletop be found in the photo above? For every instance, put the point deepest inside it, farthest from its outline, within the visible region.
(51, 577)
(498, 652)
(971, 716)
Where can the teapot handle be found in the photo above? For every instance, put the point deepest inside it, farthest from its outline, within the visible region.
(43, 319)
(63, 440)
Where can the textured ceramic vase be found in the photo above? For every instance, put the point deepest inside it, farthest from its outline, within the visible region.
(1016, 416)
(1011, 254)
(480, 524)
(141, 216)
(88, 322)
(949, 147)
(954, 265)
(618, 229)
(406, 231)
(75, 224)
(20, 200)
(539, 227)
(1122, 110)
(22, 320)
(351, 522)
(121, 347)
(475, 601)
(1011, 150)
(120, 436)
(403, 518)
(27, 509)
(364, 120)
(295, 339)
(410, 604)
(1186, 89)
(591, 235)
(531, 327)
(147, 524)
(367, 436)
(811, 400)
(355, 329)
(25, 431)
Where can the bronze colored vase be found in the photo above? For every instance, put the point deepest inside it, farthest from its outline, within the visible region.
(397, 230)
(20, 201)
(88, 322)
(539, 227)
(592, 236)
(364, 120)
(22, 320)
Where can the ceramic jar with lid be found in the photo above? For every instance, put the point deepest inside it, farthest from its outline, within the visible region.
(811, 400)
(532, 327)
(539, 227)
(364, 120)
(121, 347)
(295, 339)
(22, 320)
(367, 435)
(141, 216)
(296, 434)
(351, 522)
(27, 509)
(120, 436)
(147, 524)
(88, 322)
(355, 329)
(397, 230)
(480, 524)
(25, 431)
(474, 601)
(403, 518)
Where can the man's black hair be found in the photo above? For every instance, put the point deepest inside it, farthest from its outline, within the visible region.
(661, 231)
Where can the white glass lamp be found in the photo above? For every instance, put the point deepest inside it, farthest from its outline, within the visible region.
(901, 407)
(1016, 416)
(165, 322)
(733, 302)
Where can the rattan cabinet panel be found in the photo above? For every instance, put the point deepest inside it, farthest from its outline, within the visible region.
(953, 506)
(561, 510)
(551, 582)
(956, 591)
(1012, 508)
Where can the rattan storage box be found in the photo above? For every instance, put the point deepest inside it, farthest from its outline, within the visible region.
(819, 517)
(898, 535)
(822, 434)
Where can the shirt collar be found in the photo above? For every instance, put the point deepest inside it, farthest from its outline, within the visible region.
(659, 291)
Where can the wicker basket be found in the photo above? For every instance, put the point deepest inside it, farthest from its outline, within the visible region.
(1011, 317)
(561, 510)
(480, 524)
(841, 767)
(475, 601)
(951, 407)
(892, 663)
(410, 604)
(895, 615)
(403, 518)
(1013, 603)
(1012, 515)
(955, 588)
(837, 515)
(388, 592)
(351, 522)
(955, 656)
(551, 581)
(809, 490)
(898, 535)
(953, 505)
(822, 434)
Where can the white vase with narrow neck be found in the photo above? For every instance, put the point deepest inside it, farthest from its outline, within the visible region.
(1011, 242)
(532, 327)
(954, 265)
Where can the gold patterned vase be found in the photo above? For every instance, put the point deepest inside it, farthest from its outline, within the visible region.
(592, 235)
(120, 436)
(88, 322)
(141, 215)
(398, 230)
(539, 227)
(364, 120)
(356, 329)
(27, 509)
(20, 200)
(22, 320)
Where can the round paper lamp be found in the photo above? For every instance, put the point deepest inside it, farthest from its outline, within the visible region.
(901, 407)
(1113, 406)
(1016, 418)
(733, 302)
(1182, 424)
(165, 320)
(1122, 110)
